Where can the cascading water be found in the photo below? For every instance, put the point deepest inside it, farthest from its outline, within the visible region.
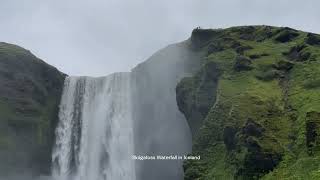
(94, 139)
(103, 121)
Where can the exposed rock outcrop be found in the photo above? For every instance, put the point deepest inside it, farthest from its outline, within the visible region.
(262, 119)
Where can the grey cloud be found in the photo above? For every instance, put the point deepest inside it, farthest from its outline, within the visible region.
(98, 37)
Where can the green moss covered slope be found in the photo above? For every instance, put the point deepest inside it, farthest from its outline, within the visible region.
(254, 106)
(30, 92)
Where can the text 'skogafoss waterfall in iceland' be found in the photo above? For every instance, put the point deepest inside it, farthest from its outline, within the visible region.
(104, 122)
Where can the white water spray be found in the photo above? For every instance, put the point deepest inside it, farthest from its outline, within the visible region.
(94, 137)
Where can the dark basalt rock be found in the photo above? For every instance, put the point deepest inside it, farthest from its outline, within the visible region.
(252, 128)
(242, 48)
(286, 35)
(247, 33)
(258, 163)
(229, 138)
(252, 144)
(215, 47)
(257, 56)
(266, 33)
(312, 130)
(242, 63)
(233, 43)
(194, 98)
(298, 53)
(201, 37)
(268, 75)
(284, 65)
(313, 39)
(253, 33)
(254, 56)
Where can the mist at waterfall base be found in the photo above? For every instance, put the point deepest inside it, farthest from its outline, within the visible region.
(159, 127)
(104, 121)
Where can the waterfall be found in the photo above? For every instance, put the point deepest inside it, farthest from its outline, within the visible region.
(94, 136)
(104, 121)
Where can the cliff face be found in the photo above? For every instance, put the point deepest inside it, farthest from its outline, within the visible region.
(30, 93)
(253, 106)
(29, 101)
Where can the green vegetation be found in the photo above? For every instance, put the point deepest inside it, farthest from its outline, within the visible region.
(260, 118)
(29, 98)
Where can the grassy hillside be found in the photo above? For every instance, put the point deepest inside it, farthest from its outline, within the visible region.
(30, 93)
(254, 106)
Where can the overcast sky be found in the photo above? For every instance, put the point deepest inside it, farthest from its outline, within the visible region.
(98, 37)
